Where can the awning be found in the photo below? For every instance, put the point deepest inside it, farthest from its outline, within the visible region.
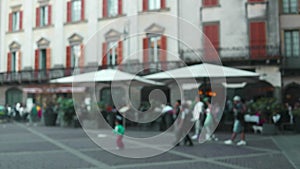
(105, 75)
(203, 70)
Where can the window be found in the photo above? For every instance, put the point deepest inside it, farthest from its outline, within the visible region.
(75, 54)
(155, 52)
(43, 59)
(291, 43)
(112, 8)
(13, 62)
(112, 54)
(154, 48)
(154, 4)
(44, 15)
(207, 3)
(16, 21)
(76, 10)
(290, 6)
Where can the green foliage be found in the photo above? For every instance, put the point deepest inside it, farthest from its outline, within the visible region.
(267, 107)
(296, 112)
(67, 106)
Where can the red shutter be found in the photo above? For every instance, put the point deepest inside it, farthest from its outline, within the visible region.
(10, 17)
(37, 60)
(253, 1)
(298, 5)
(37, 18)
(145, 5)
(163, 4)
(68, 57)
(19, 60)
(206, 3)
(163, 53)
(21, 20)
(104, 55)
(120, 7)
(69, 11)
(49, 15)
(105, 11)
(82, 9)
(258, 40)
(48, 58)
(212, 38)
(146, 54)
(120, 53)
(8, 62)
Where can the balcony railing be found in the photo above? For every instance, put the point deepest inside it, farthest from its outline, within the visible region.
(249, 53)
(44, 76)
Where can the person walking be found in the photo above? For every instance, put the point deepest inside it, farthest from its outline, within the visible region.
(119, 131)
(183, 126)
(198, 115)
(209, 122)
(239, 110)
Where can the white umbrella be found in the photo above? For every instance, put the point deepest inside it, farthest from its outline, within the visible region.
(104, 75)
(203, 70)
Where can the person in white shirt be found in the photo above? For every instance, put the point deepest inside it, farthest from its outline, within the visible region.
(198, 111)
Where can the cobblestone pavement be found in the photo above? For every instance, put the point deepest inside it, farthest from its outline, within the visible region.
(66, 148)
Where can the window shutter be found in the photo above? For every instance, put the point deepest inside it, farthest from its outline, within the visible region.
(120, 53)
(48, 58)
(37, 19)
(209, 3)
(146, 53)
(298, 6)
(120, 7)
(253, 1)
(212, 38)
(105, 10)
(163, 52)
(19, 60)
(163, 4)
(21, 20)
(8, 62)
(10, 17)
(68, 57)
(37, 60)
(145, 5)
(82, 9)
(69, 11)
(104, 55)
(257, 40)
(49, 14)
(81, 59)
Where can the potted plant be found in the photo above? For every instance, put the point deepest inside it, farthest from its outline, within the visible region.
(67, 111)
(267, 107)
(50, 114)
(296, 116)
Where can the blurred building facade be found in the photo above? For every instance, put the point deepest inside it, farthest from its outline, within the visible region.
(45, 39)
(290, 47)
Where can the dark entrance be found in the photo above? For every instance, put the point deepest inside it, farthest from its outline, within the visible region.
(13, 95)
(147, 90)
(292, 94)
